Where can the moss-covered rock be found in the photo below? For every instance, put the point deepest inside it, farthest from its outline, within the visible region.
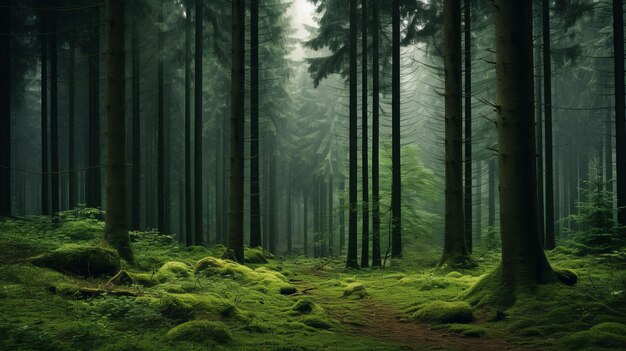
(355, 290)
(85, 260)
(303, 306)
(174, 269)
(444, 312)
(454, 274)
(566, 276)
(184, 307)
(317, 322)
(200, 331)
(254, 255)
(603, 336)
(466, 330)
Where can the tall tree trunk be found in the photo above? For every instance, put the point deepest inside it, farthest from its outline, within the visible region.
(492, 200)
(608, 154)
(455, 250)
(376, 261)
(219, 227)
(620, 123)
(54, 116)
(351, 261)
(331, 244)
(255, 201)
(94, 181)
(235, 220)
(289, 219)
(160, 129)
(316, 219)
(305, 223)
(396, 179)
(45, 191)
(136, 118)
(321, 239)
(271, 193)
(116, 223)
(467, 15)
(479, 201)
(188, 198)
(73, 196)
(523, 261)
(550, 242)
(5, 109)
(197, 128)
(364, 161)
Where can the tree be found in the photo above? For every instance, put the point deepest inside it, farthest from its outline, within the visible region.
(364, 160)
(54, 114)
(136, 125)
(396, 183)
(376, 261)
(467, 18)
(5, 108)
(255, 201)
(43, 42)
(351, 261)
(235, 220)
(455, 250)
(116, 221)
(73, 196)
(94, 193)
(189, 209)
(160, 127)
(524, 264)
(197, 149)
(620, 122)
(547, 98)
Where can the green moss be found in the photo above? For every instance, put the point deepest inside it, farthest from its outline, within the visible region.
(454, 274)
(317, 322)
(303, 306)
(355, 290)
(444, 312)
(187, 306)
(467, 330)
(83, 260)
(610, 336)
(174, 269)
(254, 255)
(200, 331)
(287, 290)
(566, 276)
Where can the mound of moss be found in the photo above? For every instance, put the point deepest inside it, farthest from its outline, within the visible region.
(442, 312)
(200, 331)
(303, 306)
(254, 255)
(466, 330)
(174, 269)
(85, 260)
(317, 322)
(184, 307)
(355, 290)
(603, 336)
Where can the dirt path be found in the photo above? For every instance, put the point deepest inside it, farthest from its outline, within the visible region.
(382, 322)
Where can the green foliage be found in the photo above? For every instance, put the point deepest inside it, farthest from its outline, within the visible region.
(254, 255)
(467, 330)
(201, 331)
(86, 260)
(603, 336)
(444, 312)
(355, 290)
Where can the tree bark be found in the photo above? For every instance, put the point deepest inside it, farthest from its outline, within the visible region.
(396, 182)
(235, 221)
(467, 15)
(455, 249)
(376, 261)
(550, 242)
(305, 224)
(45, 200)
(197, 149)
(54, 116)
(255, 201)
(73, 196)
(351, 261)
(94, 181)
(160, 130)
(620, 122)
(188, 198)
(116, 222)
(492, 200)
(5, 109)
(364, 158)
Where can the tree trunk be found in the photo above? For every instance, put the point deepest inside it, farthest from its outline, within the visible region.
(197, 129)
(305, 224)
(376, 262)
(620, 122)
(45, 201)
(351, 261)
(331, 244)
(523, 261)
(364, 161)
(54, 116)
(188, 198)
(235, 220)
(5, 109)
(550, 242)
(468, 125)
(94, 192)
(479, 201)
(73, 196)
(288, 207)
(342, 216)
(492, 200)
(255, 201)
(160, 130)
(116, 223)
(396, 182)
(455, 249)
(271, 235)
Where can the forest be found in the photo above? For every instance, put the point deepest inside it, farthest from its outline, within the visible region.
(312, 175)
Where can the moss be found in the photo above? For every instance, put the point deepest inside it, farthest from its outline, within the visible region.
(454, 274)
(444, 312)
(287, 290)
(467, 330)
(610, 336)
(317, 322)
(121, 278)
(83, 260)
(355, 290)
(200, 331)
(174, 269)
(566, 276)
(303, 306)
(81, 229)
(254, 255)
(187, 306)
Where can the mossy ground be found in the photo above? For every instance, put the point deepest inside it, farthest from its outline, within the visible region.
(174, 296)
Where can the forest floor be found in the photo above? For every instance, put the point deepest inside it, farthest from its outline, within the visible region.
(177, 298)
